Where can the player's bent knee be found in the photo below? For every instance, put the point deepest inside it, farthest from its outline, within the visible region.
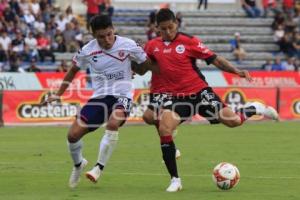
(113, 126)
(72, 137)
(232, 123)
(164, 129)
(147, 119)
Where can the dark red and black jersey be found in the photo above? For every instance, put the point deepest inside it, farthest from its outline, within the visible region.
(177, 62)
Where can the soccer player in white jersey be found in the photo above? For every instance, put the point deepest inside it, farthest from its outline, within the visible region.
(109, 58)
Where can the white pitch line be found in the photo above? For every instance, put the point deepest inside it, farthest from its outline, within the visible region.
(201, 175)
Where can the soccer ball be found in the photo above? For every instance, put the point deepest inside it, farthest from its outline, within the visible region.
(226, 175)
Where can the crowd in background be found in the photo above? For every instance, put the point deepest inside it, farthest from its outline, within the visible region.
(34, 31)
(286, 31)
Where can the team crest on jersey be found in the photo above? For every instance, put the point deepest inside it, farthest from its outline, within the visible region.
(180, 49)
(121, 54)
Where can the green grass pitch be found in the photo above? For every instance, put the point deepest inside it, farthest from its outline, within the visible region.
(35, 164)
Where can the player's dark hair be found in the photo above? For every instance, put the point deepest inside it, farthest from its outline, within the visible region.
(100, 22)
(165, 14)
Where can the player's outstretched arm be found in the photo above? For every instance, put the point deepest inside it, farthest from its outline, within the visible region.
(224, 65)
(65, 84)
(142, 68)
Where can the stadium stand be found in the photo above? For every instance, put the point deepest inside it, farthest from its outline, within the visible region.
(215, 28)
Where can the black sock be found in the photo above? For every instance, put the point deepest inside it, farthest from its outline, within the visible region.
(169, 151)
(248, 111)
(101, 167)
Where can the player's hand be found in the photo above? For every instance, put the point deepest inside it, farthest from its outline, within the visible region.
(245, 74)
(50, 97)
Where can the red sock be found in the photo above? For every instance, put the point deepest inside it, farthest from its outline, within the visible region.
(166, 139)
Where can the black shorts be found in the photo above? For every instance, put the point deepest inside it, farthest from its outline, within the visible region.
(205, 103)
(97, 110)
(159, 100)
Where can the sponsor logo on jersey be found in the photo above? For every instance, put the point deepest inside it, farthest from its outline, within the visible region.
(180, 49)
(116, 75)
(156, 49)
(167, 50)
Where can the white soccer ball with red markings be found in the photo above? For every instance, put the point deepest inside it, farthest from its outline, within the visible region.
(226, 175)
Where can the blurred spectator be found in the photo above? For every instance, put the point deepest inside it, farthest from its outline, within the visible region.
(24, 6)
(3, 5)
(79, 33)
(92, 10)
(69, 14)
(288, 6)
(180, 21)
(18, 46)
(289, 64)
(63, 67)
(39, 24)
(31, 45)
(277, 65)
(105, 7)
(250, 8)
(3, 58)
(296, 17)
(15, 7)
(151, 32)
(61, 22)
(269, 5)
(29, 18)
(164, 5)
(236, 48)
(43, 5)
(286, 44)
(296, 44)
(35, 7)
(69, 38)
(33, 67)
(152, 17)
(43, 46)
(47, 13)
(200, 4)
(9, 15)
(151, 25)
(297, 65)
(5, 42)
(278, 34)
(279, 20)
(267, 66)
(14, 62)
(290, 24)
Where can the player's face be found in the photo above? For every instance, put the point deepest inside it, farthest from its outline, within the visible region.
(105, 37)
(168, 29)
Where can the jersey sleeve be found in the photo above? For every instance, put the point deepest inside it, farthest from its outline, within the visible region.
(136, 53)
(80, 59)
(199, 50)
(148, 50)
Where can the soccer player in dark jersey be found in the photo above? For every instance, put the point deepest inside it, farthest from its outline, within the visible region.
(176, 54)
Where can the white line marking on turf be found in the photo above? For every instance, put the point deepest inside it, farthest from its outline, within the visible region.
(202, 175)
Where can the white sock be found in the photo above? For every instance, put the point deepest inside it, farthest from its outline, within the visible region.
(75, 151)
(107, 145)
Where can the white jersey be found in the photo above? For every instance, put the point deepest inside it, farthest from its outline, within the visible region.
(111, 69)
